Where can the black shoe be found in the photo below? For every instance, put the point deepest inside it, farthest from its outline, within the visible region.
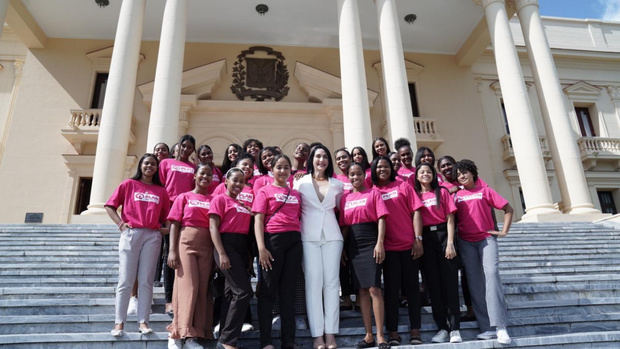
(364, 344)
(157, 284)
(394, 341)
(383, 346)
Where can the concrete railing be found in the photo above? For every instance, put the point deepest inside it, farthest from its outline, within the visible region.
(509, 151)
(425, 128)
(85, 118)
(599, 146)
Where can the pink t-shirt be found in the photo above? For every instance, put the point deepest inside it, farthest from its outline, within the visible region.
(262, 180)
(177, 176)
(433, 215)
(474, 212)
(246, 195)
(191, 209)
(406, 172)
(401, 201)
(256, 171)
(361, 207)
(234, 215)
(450, 185)
(144, 205)
(345, 180)
(269, 198)
(217, 179)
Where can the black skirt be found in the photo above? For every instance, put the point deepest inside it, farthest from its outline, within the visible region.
(362, 242)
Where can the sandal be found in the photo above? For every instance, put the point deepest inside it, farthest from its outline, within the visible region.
(384, 345)
(364, 344)
(394, 340)
(415, 340)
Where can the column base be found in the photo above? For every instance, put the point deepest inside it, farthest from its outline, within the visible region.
(95, 210)
(564, 217)
(584, 209)
(536, 214)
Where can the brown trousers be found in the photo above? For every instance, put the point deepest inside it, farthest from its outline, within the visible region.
(192, 316)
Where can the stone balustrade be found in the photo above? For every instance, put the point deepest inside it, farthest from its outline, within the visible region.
(599, 150)
(508, 151)
(83, 128)
(427, 133)
(85, 118)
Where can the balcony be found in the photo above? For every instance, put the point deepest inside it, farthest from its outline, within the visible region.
(83, 127)
(427, 133)
(509, 154)
(599, 151)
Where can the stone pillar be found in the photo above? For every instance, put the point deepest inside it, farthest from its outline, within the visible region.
(4, 4)
(562, 141)
(528, 155)
(117, 109)
(395, 84)
(165, 108)
(356, 114)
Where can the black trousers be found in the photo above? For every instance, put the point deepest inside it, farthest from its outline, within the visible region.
(280, 280)
(237, 287)
(400, 269)
(441, 279)
(168, 272)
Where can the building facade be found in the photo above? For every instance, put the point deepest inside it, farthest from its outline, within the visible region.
(535, 102)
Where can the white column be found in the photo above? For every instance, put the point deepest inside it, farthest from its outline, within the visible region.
(356, 114)
(395, 84)
(118, 106)
(528, 156)
(3, 6)
(562, 141)
(165, 108)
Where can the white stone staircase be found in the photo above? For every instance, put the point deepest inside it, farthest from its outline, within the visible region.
(562, 285)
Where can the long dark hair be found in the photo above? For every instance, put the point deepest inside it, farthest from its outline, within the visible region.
(364, 163)
(373, 169)
(139, 173)
(226, 163)
(420, 153)
(434, 183)
(329, 171)
(379, 139)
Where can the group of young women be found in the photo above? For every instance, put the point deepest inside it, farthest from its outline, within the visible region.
(379, 222)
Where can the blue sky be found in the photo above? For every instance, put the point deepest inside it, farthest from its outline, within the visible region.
(598, 9)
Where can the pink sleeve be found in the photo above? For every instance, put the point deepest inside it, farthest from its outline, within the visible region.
(162, 172)
(176, 211)
(341, 215)
(260, 203)
(165, 207)
(218, 206)
(118, 197)
(494, 198)
(380, 208)
(414, 200)
(447, 203)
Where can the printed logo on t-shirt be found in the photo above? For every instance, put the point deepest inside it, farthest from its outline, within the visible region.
(198, 203)
(241, 209)
(257, 172)
(391, 195)
(247, 197)
(355, 203)
(430, 202)
(347, 186)
(408, 174)
(477, 196)
(216, 178)
(183, 169)
(146, 197)
(283, 198)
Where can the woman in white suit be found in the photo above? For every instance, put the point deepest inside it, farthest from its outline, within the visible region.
(322, 245)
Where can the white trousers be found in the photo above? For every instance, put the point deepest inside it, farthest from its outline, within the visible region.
(321, 271)
(138, 250)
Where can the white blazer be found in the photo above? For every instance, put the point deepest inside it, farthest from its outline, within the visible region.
(319, 216)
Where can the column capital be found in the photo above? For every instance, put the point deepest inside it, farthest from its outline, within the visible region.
(485, 3)
(614, 93)
(519, 4)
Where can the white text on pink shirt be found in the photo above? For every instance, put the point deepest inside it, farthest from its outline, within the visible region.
(146, 197)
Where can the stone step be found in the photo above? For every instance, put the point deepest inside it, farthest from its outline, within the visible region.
(573, 290)
(59, 281)
(56, 259)
(47, 292)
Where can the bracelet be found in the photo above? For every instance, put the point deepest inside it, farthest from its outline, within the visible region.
(419, 237)
(120, 225)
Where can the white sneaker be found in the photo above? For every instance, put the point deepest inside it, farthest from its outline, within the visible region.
(247, 327)
(300, 323)
(175, 343)
(440, 337)
(132, 309)
(503, 337)
(486, 335)
(216, 331)
(275, 323)
(192, 344)
(455, 336)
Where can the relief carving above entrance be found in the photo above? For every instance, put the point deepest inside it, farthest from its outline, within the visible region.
(260, 73)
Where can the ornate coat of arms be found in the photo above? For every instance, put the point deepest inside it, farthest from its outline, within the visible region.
(260, 73)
